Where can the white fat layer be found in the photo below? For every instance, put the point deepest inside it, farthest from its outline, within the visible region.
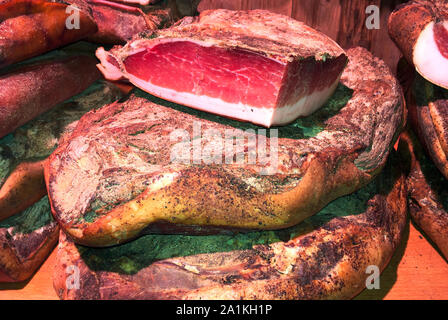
(141, 45)
(304, 106)
(428, 60)
(140, 2)
(266, 117)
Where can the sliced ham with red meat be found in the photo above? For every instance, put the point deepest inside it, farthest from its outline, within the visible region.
(420, 29)
(253, 66)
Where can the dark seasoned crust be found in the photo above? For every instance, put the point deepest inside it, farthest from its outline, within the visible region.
(428, 113)
(408, 20)
(26, 240)
(427, 192)
(114, 178)
(273, 35)
(325, 257)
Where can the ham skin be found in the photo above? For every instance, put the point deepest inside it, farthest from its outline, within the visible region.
(254, 66)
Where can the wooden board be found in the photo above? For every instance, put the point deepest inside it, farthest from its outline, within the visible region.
(39, 287)
(417, 271)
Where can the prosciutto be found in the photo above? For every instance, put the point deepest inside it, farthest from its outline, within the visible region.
(253, 66)
(420, 30)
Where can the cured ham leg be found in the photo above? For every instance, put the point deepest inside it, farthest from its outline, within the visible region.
(254, 66)
(427, 191)
(31, 27)
(325, 257)
(26, 240)
(23, 152)
(420, 29)
(24, 94)
(121, 174)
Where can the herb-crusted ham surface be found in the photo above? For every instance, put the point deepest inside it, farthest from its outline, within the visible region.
(115, 177)
(254, 66)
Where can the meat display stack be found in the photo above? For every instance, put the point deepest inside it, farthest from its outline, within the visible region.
(425, 47)
(41, 99)
(226, 154)
(115, 181)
